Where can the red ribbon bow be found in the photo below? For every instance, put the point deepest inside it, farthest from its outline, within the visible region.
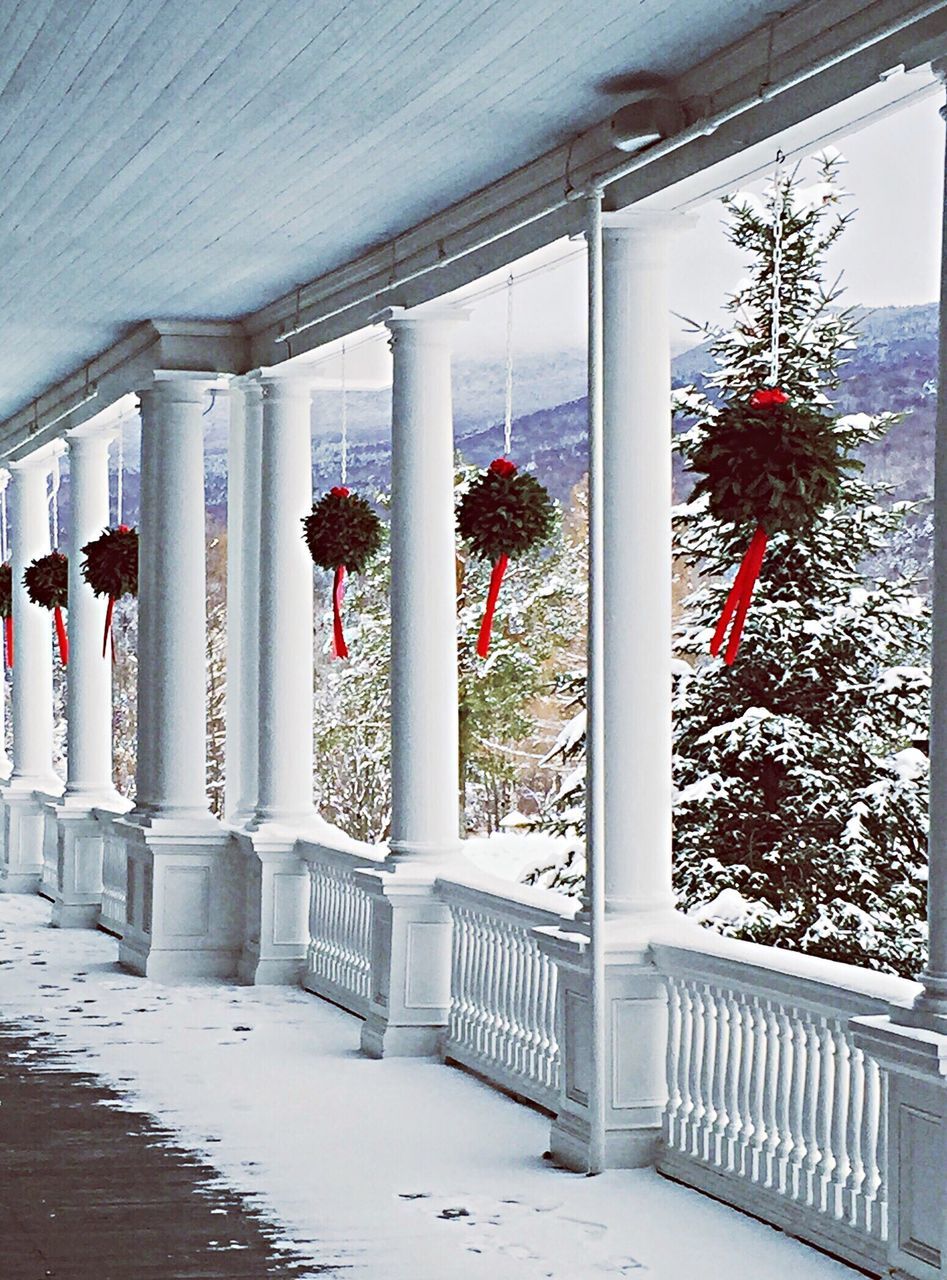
(339, 491)
(339, 647)
(766, 397)
(503, 467)
(61, 636)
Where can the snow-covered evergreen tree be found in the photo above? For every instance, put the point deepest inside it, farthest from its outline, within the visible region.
(801, 773)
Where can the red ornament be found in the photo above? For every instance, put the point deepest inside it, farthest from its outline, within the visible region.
(765, 397)
(503, 467)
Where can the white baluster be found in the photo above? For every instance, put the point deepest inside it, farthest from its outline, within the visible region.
(771, 1096)
(824, 1114)
(783, 1094)
(757, 1169)
(673, 1106)
(735, 1057)
(810, 1113)
(882, 1195)
(721, 1051)
(744, 1130)
(856, 1176)
(835, 1193)
(797, 1096)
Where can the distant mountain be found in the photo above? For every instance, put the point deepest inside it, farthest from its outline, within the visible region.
(893, 368)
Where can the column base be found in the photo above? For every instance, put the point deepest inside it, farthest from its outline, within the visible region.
(276, 928)
(79, 827)
(409, 994)
(570, 1145)
(382, 1040)
(184, 908)
(24, 834)
(914, 1058)
(635, 1047)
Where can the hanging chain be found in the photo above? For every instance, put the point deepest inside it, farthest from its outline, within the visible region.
(120, 472)
(508, 413)
(776, 316)
(345, 423)
(54, 501)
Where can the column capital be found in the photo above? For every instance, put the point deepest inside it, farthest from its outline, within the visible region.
(277, 383)
(40, 459)
(427, 318)
(179, 386)
(634, 222)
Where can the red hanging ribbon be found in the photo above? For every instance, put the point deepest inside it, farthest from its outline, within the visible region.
(61, 636)
(108, 628)
(486, 627)
(8, 629)
(340, 648)
(738, 601)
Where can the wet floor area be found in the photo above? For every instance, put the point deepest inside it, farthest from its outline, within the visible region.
(92, 1191)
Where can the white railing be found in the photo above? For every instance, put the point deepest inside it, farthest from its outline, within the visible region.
(114, 875)
(338, 958)
(502, 1020)
(771, 1104)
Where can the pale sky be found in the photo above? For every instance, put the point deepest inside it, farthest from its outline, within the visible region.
(889, 255)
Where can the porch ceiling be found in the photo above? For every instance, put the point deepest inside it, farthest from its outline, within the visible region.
(165, 158)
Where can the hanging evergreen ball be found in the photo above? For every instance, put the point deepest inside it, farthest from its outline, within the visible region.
(111, 569)
(342, 533)
(771, 466)
(502, 514)
(505, 512)
(111, 563)
(6, 608)
(342, 529)
(47, 581)
(6, 590)
(768, 462)
(47, 584)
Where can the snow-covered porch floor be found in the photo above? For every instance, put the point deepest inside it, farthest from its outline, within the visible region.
(391, 1170)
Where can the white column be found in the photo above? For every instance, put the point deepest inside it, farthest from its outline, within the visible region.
(75, 827)
(424, 714)
(285, 604)
(5, 762)
(32, 630)
(243, 597)
(636, 495)
(89, 686)
(172, 675)
(28, 861)
(184, 906)
(933, 999)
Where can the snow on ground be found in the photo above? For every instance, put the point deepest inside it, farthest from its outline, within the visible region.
(395, 1170)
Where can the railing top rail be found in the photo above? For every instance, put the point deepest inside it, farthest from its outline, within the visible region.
(693, 952)
(338, 847)
(506, 897)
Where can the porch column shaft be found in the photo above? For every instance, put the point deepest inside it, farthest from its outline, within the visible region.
(172, 599)
(5, 763)
(32, 635)
(285, 604)
(424, 713)
(243, 597)
(636, 493)
(934, 997)
(234, 743)
(89, 687)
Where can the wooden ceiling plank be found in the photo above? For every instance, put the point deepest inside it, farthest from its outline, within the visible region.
(169, 56)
